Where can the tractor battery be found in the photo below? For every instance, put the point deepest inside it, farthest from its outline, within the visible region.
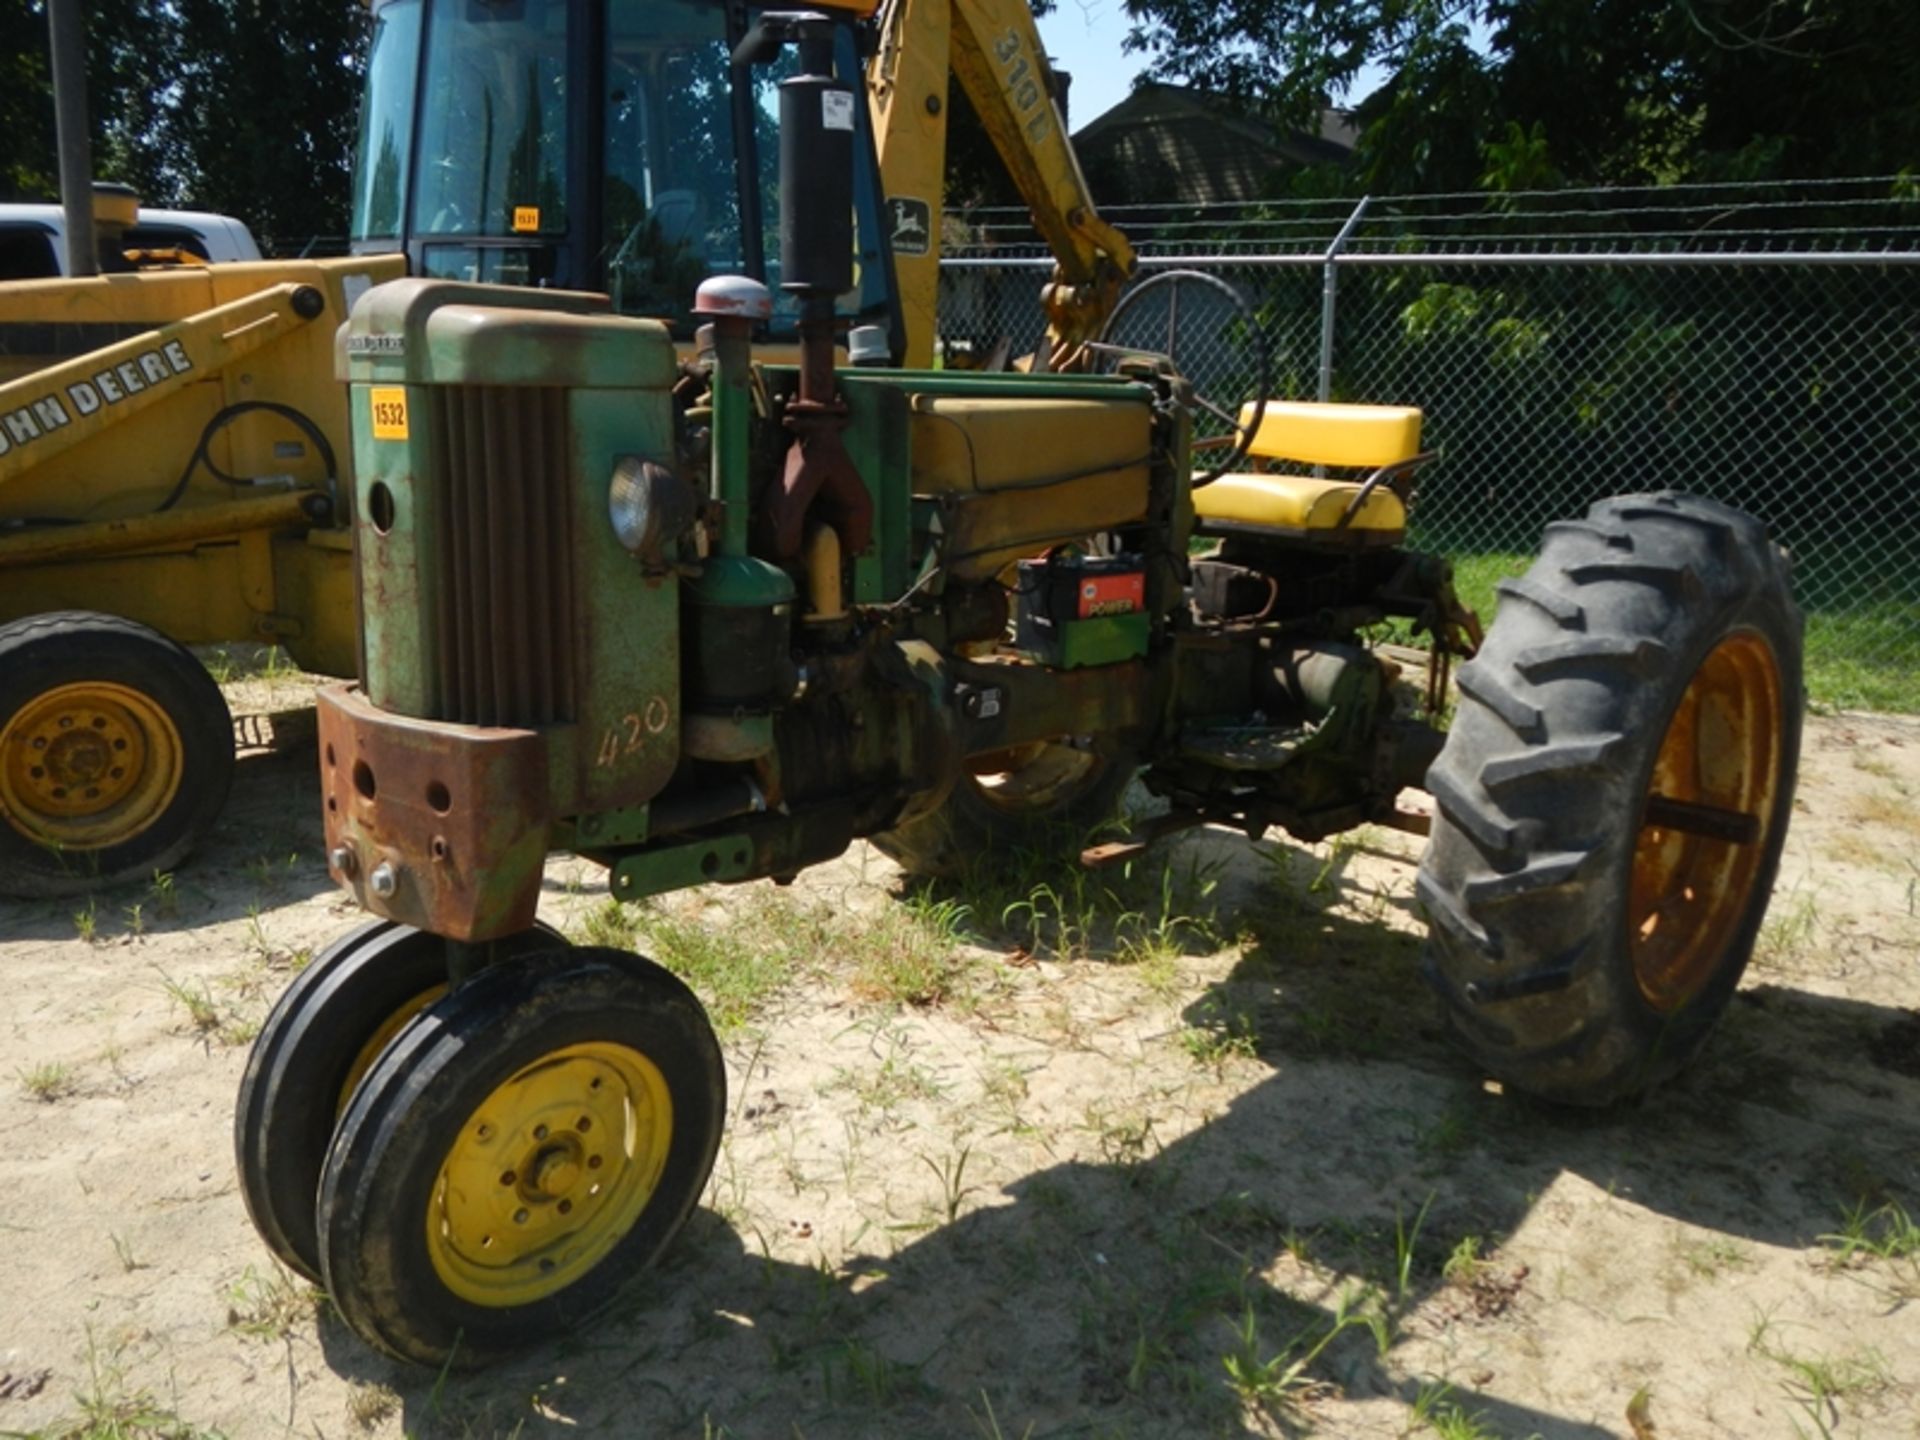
(1074, 610)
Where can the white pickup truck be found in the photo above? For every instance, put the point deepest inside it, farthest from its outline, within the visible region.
(33, 242)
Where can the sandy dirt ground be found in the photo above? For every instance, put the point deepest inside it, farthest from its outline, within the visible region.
(1187, 1155)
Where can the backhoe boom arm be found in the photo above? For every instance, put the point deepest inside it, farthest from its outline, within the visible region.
(994, 49)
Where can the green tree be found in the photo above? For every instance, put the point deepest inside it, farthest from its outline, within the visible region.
(1593, 91)
(245, 106)
(267, 95)
(132, 51)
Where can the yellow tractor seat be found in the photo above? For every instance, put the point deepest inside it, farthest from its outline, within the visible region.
(1383, 441)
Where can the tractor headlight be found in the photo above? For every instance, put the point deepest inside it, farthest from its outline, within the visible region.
(651, 508)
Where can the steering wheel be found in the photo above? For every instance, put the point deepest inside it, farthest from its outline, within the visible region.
(1201, 314)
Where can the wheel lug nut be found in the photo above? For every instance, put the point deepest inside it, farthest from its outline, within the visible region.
(384, 880)
(593, 1162)
(583, 1124)
(484, 1132)
(539, 1132)
(519, 1217)
(343, 859)
(508, 1177)
(566, 1207)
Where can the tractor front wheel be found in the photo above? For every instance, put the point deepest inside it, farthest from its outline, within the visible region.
(525, 1146)
(320, 1041)
(1613, 797)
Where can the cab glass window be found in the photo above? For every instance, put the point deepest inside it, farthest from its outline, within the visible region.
(493, 120)
(386, 122)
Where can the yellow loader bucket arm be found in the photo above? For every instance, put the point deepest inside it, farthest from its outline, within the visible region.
(994, 49)
(55, 408)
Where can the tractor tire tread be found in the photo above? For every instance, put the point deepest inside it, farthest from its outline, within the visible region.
(1539, 787)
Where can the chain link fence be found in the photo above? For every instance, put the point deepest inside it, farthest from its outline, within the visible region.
(1761, 346)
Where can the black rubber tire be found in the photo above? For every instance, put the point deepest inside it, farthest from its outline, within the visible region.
(968, 829)
(1541, 788)
(381, 1173)
(303, 1060)
(70, 647)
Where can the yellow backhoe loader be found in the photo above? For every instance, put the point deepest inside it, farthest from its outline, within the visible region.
(171, 437)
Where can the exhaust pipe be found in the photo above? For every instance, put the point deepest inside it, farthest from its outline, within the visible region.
(67, 40)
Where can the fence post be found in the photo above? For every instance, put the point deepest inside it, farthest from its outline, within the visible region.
(1330, 285)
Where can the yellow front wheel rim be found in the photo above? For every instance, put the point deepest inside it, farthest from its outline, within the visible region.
(549, 1173)
(88, 765)
(378, 1041)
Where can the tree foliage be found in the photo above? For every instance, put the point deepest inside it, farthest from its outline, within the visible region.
(244, 106)
(1585, 91)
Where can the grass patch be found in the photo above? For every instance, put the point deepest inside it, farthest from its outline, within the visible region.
(1476, 575)
(1713, 1256)
(1862, 657)
(1787, 934)
(48, 1082)
(1149, 911)
(911, 953)
(1817, 1384)
(206, 1016)
(1886, 1236)
(269, 1306)
(1889, 809)
(734, 967)
(1283, 1382)
(107, 1408)
(1435, 1411)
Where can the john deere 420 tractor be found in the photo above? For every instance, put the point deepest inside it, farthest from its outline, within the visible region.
(713, 619)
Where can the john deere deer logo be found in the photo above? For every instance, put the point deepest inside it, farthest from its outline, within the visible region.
(912, 225)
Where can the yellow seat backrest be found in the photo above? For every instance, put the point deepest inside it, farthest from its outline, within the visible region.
(1356, 437)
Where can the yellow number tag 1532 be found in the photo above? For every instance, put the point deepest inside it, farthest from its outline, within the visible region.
(389, 405)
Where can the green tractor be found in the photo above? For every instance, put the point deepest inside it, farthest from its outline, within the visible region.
(710, 618)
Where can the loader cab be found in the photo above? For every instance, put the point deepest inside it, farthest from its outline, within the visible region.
(590, 145)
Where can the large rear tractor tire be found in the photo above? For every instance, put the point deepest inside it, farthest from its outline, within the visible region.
(116, 751)
(1036, 799)
(1613, 796)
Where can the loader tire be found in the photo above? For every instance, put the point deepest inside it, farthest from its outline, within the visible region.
(1043, 800)
(116, 752)
(1613, 796)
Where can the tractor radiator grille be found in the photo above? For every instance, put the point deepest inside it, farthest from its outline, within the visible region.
(503, 502)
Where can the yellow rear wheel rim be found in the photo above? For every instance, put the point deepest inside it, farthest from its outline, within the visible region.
(88, 765)
(1689, 892)
(1032, 778)
(549, 1173)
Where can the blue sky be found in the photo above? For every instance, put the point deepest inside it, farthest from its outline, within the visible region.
(1083, 37)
